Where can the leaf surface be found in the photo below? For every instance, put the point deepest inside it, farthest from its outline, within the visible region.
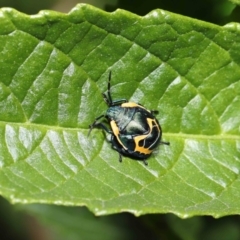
(53, 69)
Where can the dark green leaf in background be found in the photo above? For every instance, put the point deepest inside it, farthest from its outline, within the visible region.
(53, 69)
(236, 2)
(214, 11)
(78, 223)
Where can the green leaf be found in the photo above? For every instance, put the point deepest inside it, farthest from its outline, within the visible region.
(53, 69)
(237, 2)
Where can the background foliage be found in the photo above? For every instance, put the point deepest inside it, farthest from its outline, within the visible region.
(173, 226)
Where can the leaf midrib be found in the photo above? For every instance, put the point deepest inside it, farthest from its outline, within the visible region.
(201, 136)
(165, 134)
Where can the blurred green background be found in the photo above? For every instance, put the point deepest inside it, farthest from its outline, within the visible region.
(38, 222)
(215, 11)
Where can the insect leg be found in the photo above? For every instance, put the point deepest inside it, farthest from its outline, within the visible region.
(145, 162)
(154, 112)
(97, 124)
(165, 143)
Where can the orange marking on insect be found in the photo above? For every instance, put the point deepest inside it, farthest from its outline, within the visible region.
(137, 139)
(115, 130)
(141, 149)
(132, 104)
